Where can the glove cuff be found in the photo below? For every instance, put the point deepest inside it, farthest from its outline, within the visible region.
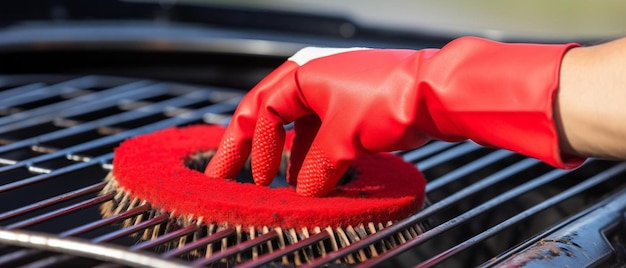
(498, 95)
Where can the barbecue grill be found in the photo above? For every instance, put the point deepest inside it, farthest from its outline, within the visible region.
(67, 101)
(488, 205)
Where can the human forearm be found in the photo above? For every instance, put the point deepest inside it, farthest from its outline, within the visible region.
(590, 110)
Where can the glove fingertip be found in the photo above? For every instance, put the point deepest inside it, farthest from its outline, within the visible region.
(319, 175)
(228, 159)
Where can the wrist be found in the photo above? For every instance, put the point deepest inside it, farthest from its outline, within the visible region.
(590, 108)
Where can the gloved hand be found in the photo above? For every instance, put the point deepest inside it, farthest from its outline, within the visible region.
(351, 102)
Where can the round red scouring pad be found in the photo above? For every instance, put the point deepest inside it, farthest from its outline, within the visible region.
(151, 167)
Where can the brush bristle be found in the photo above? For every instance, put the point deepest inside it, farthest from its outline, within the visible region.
(338, 237)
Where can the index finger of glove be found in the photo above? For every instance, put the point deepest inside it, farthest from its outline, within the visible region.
(267, 149)
(234, 148)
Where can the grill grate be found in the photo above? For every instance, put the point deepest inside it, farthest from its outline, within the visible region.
(57, 135)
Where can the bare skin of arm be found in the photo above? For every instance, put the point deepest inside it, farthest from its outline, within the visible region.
(590, 110)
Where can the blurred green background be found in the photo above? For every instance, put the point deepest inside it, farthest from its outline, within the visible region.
(497, 19)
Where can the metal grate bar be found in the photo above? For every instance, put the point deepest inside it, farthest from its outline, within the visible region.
(165, 238)
(106, 221)
(426, 150)
(27, 254)
(51, 201)
(427, 212)
(55, 260)
(82, 248)
(462, 171)
(59, 212)
(8, 82)
(454, 152)
(9, 260)
(19, 89)
(130, 230)
(50, 261)
(32, 95)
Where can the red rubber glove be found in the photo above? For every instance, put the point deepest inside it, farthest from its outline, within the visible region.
(347, 103)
